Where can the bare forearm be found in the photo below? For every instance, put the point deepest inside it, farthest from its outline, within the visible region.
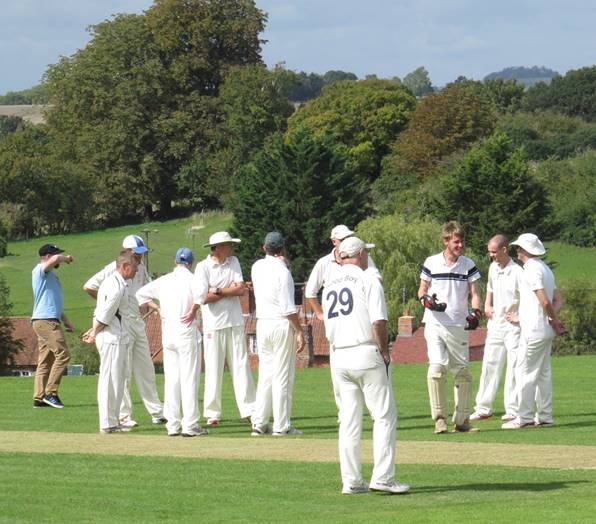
(380, 335)
(316, 307)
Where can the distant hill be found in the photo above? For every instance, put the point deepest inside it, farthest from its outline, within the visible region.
(525, 75)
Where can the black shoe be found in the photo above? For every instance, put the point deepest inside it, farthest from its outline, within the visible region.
(53, 400)
(39, 403)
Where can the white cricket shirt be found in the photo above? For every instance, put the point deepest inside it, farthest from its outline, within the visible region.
(274, 289)
(177, 292)
(323, 270)
(450, 283)
(112, 307)
(532, 317)
(227, 311)
(352, 300)
(504, 283)
(137, 282)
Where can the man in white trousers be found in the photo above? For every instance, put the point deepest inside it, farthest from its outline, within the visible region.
(220, 278)
(356, 326)
(277, 324)
(177, 293)
(110, 332)
(502, 339)
(539, 306)
(138, 357)
(447, 281)
(321, 274)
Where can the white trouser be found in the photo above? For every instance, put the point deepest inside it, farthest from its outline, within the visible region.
(275, 340)
(221, 346)
(138, 363)
(373, 388)
(181, 367)
(110, 385)
(448, 346)
(534, 378)
(500, 347)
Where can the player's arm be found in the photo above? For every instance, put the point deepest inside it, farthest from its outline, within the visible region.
(316, 307)
(488, 305)
(474, 295)
(423, 289)
(67, 323)
(379, 328)
(549, 309)
(55, 260)
(313, 285)
(92, 285)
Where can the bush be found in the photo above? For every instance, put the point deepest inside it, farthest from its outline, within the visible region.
(579, 316)
(85, 355)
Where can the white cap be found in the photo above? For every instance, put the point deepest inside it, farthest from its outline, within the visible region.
(351, 246)
(531, 243)
(340, 232)
(135, 243)
(221, 237)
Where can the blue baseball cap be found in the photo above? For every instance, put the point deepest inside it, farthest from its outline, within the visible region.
(274, 240)
(135, 243)
(184, 256)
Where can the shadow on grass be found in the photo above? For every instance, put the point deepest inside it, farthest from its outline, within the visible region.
(502, 486)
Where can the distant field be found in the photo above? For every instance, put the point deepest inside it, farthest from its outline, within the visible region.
(572, 262)
(94, 250)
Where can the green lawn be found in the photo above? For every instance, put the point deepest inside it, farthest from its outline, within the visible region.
(314, 409)
(92, 251)
(93, 488)
(572, 262)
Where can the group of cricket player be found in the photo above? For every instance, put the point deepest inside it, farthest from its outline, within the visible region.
(345, 290)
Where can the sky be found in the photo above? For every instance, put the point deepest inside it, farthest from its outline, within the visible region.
(384, 37)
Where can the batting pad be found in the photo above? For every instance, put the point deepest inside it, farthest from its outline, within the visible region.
(437, 390)
(462, 395)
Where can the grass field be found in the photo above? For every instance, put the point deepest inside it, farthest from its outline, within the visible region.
(572, 262)
(97, 486)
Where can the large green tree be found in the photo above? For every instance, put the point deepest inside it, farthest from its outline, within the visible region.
(301, 185)
(365, 116)
(492, 190)
(418, 81)
(138, 103)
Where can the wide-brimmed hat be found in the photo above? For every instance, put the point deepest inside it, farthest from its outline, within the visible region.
(221, 237)
(531, 243)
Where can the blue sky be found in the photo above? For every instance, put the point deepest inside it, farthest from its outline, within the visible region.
(384, 37)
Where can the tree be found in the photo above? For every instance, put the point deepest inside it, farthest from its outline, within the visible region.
(444, 123)
(491, 191)
(573, 94)
(302, 186)
(10, 124)
(365, 116)
(139, 102)
(573, 204)
(8, 345)
(418, 82)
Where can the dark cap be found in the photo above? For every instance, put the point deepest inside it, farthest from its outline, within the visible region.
(274, 240)
(49, 249)
(184, 256)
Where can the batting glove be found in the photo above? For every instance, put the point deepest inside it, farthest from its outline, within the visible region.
(431, 303)
(473, 320)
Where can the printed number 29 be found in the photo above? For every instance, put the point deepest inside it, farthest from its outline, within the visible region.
(344, 298)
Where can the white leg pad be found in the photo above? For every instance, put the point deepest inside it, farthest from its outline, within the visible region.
(462, 396)
(437, 390)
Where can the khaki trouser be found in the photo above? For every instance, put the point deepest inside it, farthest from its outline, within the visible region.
(53, 357)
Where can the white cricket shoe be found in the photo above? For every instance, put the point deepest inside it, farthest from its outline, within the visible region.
(197, 431)
(389, 487)
(291, 431)
(480, 416)
(354, 490)
(261, 431)
(114, 429)
(507, 417)
(516, 424)
(129, 423)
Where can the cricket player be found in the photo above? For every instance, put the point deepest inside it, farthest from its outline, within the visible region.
(177, 294)
(539, 305)
(220, 276)
(356, 326)
(277, 324)
(110, 332)
(138, 357)
(48, 313)
(447, 281)
(502, 340)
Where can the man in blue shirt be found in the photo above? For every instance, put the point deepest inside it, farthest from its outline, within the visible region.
(48, 304)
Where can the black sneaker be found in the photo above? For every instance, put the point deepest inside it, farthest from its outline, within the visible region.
(53, 400)
(39, 403)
